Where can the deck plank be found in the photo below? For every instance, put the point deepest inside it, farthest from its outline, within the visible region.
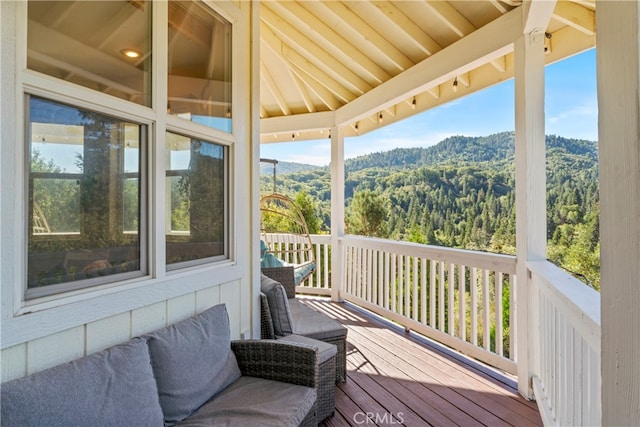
(396, 379)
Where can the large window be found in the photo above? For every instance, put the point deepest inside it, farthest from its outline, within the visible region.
(197, 199)
(88, 142)
(199, 65)
(85, 197)
(102, 45)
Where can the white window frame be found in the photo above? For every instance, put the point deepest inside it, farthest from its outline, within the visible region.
(22, 319)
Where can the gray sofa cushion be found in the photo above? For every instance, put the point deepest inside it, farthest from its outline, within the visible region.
(192, 361)
(111, 387)
(272, 403)
(325, 350)
(278, 305)
(313, 324)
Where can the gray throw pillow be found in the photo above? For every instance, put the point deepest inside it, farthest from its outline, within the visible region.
(278, 305)
(192, 361)
(111, 387)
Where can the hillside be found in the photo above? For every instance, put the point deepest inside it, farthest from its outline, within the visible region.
(460, 193)
(283, 168)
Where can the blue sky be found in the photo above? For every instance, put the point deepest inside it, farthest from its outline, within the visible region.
(571, 111)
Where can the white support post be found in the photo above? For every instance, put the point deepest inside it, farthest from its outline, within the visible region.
(618, 65)
(337, 212)
(530, 191)
(254, 136)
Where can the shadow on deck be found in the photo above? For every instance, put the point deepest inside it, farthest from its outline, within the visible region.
(398, 378)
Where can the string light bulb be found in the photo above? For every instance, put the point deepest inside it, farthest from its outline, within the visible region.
(357, 126)
(455, 84)
(380, 117)
(413, 103)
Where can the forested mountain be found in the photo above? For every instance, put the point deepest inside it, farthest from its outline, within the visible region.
(460, 193)
(284, 167)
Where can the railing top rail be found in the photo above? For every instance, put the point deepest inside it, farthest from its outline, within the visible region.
(489, 261)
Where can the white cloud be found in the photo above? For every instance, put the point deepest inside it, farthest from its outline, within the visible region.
(579, 122)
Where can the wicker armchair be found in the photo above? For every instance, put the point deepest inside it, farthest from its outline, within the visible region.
(327, 352)
(310, 327)
(280, 361)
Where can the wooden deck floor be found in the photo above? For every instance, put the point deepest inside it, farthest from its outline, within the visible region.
(399, 379)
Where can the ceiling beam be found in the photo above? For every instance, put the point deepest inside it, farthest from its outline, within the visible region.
(292, 58)
(576, 16)
(297, 122)
(403, 23)
(325, 95)
(451, 17)
(333, 42)
(312, 53)
(272, 86)
(369, 38)
(304, 93)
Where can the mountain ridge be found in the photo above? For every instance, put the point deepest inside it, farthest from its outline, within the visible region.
(458, 149)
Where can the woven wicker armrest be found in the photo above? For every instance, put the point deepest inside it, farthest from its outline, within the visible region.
(280, 361)
(284, 275)
(266, 322)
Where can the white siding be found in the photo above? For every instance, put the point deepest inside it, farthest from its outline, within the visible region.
(64, 346)
(14, 362)
(54, 349)
(107, 332)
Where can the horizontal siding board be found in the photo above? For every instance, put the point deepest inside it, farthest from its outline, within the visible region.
(149, 318)
(107, 332)
(55, 349)
(181, 308)
(14, 362)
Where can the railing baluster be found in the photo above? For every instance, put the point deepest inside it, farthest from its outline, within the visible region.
(474, 305)
(369, 275)
(513, 321)
(498, 310)
(423, 291)
(432, 294)
(441, 298)
(407, 288)
(380, 283)
(415, 289)
(392, 297)
(462, 295)
(387, 278)
(399, 296)
(451, 315)
(486, 338)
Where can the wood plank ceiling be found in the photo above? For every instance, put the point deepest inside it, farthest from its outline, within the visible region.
(316, 57)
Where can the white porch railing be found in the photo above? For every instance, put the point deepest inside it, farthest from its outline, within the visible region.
(460, 298)
(463, 299)
(567, 314)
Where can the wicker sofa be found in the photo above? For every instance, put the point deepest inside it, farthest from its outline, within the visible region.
(186, 374)
(304, 320)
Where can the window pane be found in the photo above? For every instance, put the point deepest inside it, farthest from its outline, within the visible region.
(196, 200)
(84, 198)
(102, 45)
(199, 65)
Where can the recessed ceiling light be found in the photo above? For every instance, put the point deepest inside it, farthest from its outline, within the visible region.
(130, 53)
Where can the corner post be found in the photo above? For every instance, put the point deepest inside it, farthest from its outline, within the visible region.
(531, 211)
(337, 212)
(618, 66)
